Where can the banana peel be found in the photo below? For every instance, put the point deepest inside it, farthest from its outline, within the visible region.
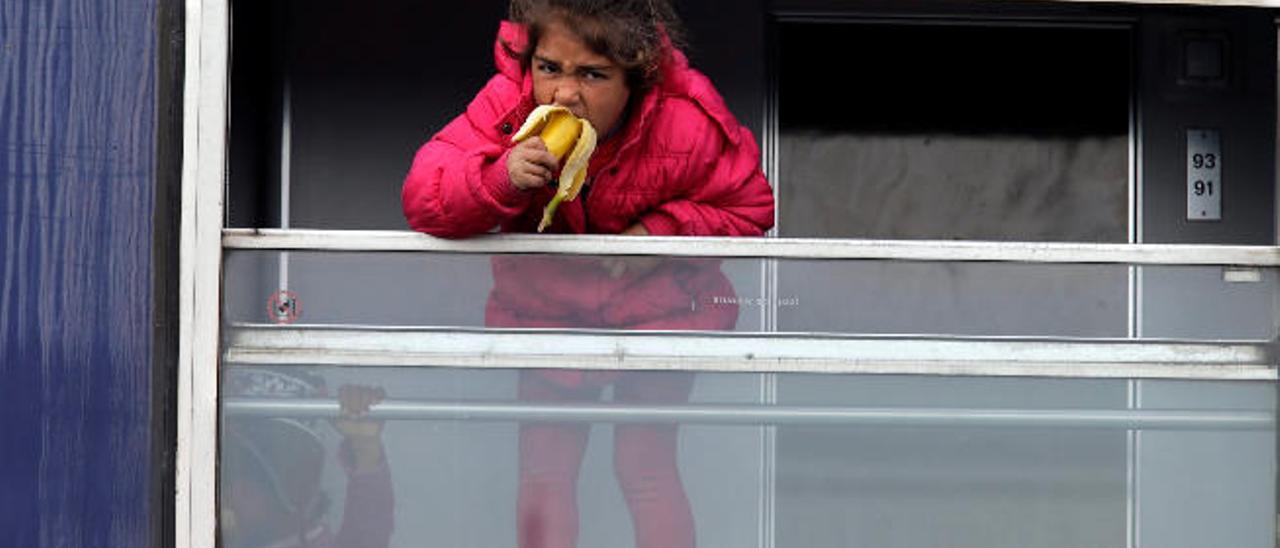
(571, 140)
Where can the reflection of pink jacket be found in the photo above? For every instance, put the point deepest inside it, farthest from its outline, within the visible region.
(681, 165)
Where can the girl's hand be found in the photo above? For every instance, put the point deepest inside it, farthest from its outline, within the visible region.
(619, 265)
(635, 230)
(355, 401)
(530, 165)
(362, 434)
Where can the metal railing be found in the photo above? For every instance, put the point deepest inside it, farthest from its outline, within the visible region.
(763, 415)
(744, 353)
(759, 353)
(772, 248)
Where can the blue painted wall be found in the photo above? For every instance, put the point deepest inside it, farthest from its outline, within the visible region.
(77, 184)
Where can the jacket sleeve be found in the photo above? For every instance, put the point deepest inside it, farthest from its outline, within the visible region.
(458, 184)
(368, 516)
(725, 192)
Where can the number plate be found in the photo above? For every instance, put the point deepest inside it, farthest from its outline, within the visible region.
(1204, 175)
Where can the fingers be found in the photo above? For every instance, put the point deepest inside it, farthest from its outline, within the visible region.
(620, 265)
(530, 165)
(538, 154)
(355, 400)
(527, 176)
(615, 266)
(637, 229)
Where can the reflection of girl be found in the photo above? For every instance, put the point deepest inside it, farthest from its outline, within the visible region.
(271, 470)
(672, 160)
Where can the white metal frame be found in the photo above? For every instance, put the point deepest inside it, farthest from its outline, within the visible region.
(203, 240)
(203, 181)
(773, 248)
(744, 353)
(756, 415)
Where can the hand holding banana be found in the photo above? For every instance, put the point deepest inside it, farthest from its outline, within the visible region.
(547, 135)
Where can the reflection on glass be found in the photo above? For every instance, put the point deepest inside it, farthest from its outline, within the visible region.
(680, 463)
(848, 297)
(644, 460)
(460, 290)
(272, 468)
(611, 292)
(468, 483)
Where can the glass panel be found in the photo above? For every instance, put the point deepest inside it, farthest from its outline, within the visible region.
(998, 299)
(958, 486)
(1208, 303)
(974, 486)
(950, 130)
(813, 296)
(463, 483)
(476, 458)
(458, 290)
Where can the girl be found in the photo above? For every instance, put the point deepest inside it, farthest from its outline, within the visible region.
(671, 160)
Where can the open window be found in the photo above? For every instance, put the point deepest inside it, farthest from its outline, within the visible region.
(955, 130)
(855, 379)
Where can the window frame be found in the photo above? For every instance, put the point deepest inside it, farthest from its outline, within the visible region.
(203, 240)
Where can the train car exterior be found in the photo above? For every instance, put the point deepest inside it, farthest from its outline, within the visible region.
(1022, 289)
(88, 349)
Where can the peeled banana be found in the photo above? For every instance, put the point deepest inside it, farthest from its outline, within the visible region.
(561, 130)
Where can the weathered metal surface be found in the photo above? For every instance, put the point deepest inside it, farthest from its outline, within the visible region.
(780, 353)
(1164, 419)
(77, 126)
(779, 248)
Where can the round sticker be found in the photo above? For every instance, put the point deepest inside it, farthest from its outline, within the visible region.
(283, 307)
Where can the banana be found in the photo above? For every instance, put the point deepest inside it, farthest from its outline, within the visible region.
(561, 130)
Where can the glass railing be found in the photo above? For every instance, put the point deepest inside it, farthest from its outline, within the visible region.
(990, 290)
(525, 391)
(484, 457)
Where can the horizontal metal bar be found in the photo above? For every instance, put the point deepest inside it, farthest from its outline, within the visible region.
(784, 10)
(1206, 3)
(763, 415)
(744, 353)
(783, 14)
(777, 248)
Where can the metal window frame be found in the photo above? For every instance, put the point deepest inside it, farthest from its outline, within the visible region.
(204, 153)
(763, 248)
(746, 353)
(203, 239)
(767, 415)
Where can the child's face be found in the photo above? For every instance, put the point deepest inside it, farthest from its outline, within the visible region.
(567, 73)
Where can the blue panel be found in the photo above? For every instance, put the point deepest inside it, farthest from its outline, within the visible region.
(77, 178)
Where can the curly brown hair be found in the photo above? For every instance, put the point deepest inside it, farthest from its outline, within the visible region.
(629, 32)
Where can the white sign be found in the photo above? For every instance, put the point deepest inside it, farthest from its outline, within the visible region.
(1204, 175)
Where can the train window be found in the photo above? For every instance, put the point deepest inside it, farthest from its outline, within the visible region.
(943, 130)
(837, 390)
(829, 297)
(330, 100)
(464, 457)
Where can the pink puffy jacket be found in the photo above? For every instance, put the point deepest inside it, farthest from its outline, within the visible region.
(680, 165)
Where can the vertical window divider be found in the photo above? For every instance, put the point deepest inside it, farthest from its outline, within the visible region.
(769, 267)
(204, 169)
